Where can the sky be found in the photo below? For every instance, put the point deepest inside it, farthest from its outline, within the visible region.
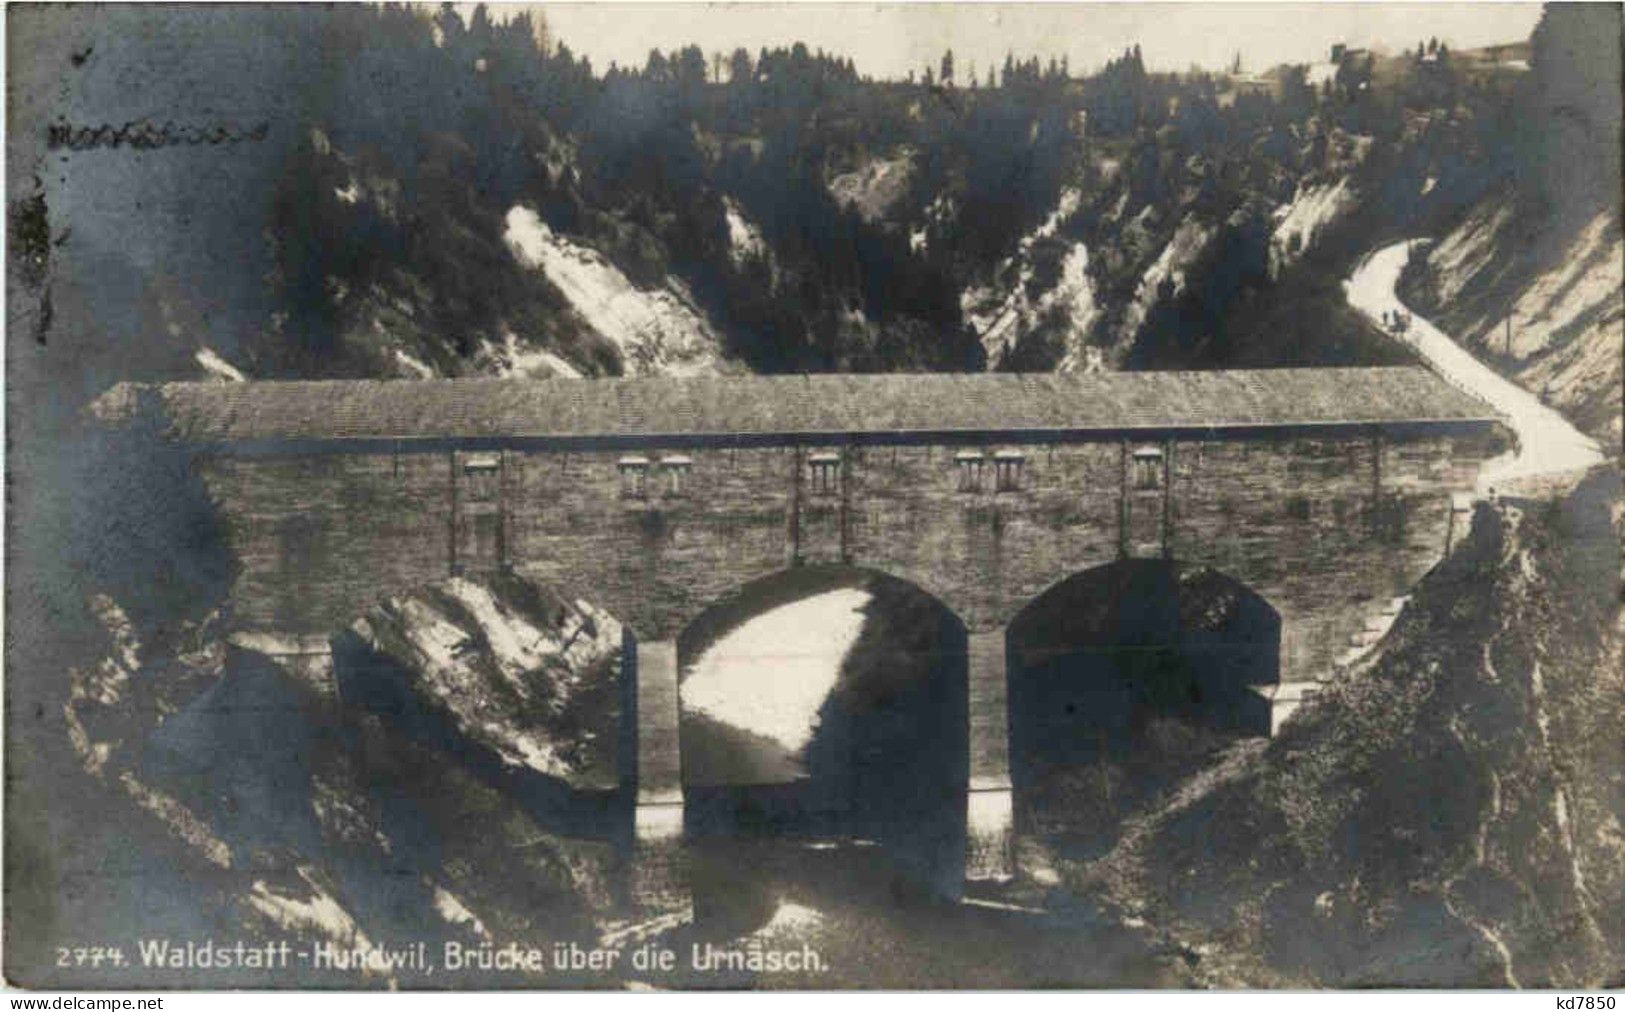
(888, 40)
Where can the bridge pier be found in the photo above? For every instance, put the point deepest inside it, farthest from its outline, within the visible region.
(659, 869)
(989, 803)
(1298, 677)
(658, 884)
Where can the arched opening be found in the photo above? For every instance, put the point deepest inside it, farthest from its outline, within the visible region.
(1124, 679)
(824, 710)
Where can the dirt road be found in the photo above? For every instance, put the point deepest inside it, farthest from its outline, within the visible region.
(1547, 444)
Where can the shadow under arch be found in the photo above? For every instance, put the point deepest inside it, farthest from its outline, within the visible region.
(1122, 678)
(829, 704)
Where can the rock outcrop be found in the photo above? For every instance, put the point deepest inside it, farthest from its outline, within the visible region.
(509, 665)
(1449, 816)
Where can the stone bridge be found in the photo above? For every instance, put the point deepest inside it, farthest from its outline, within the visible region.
(1327, 493)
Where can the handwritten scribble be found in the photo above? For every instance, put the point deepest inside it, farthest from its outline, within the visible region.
(145, 135)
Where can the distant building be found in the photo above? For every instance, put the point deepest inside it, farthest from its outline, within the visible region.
(1255, 84)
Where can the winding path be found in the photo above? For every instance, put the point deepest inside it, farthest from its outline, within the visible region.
(1547, 443)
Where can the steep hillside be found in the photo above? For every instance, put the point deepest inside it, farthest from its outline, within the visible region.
(388, 273)
(655, 331)
(534, 214)
(1542, 299)
(1158, 255)
(1449, 815)
(506, 665)
(445, 802)
(1530, 275)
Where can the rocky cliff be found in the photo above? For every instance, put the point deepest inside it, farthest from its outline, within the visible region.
(510, 665)
(1529, 275)
(272, 809)
(1448, 815)
(1540, 297)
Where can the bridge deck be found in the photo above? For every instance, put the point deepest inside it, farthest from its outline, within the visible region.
(893, 404)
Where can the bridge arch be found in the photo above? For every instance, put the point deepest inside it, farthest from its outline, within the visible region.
(798, 655)
(828, 701)
(1123, 675)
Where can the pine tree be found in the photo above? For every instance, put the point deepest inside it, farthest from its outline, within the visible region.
(740, 70)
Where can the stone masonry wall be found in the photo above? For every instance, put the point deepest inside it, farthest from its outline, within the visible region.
(318, 538)
(1321, 528)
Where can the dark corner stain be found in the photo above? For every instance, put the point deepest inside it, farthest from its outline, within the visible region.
(78, 59)
(29, 227)
(47, 313)
(31, 237)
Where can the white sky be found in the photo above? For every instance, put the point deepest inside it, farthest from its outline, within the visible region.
(888, 40)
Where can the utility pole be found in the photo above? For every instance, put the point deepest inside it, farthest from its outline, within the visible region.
(1509, 333)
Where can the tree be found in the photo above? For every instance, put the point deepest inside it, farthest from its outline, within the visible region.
(655, 68)
(947, 74)
(479, 26)
(1297, 95)
(537, 22)
(689, 67)
(450, 24)
(740, 69)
